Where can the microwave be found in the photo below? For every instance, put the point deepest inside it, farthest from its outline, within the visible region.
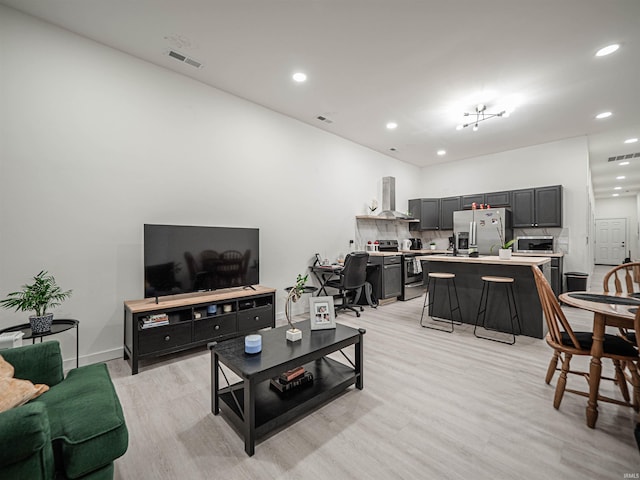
(535, 244)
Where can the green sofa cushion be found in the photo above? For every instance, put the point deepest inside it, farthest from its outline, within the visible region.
(25, 445)
(38, 363)
(87, 423)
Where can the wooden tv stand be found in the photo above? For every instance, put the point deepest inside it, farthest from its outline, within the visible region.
(191, 321)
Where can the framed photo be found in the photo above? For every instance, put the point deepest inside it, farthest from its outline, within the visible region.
(323, 315)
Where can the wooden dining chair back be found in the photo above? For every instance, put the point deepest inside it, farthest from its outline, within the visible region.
(566, 343)
(626, 275)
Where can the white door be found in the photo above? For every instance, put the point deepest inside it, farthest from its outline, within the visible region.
(611, 235)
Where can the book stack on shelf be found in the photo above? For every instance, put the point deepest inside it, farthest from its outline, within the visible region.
(294, 379)
(155, 320)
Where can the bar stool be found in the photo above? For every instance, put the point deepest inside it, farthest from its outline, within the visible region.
(482, 307)
(450, 278)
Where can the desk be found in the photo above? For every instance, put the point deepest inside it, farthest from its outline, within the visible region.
(613, 313)
(58, 326)
(324, 273)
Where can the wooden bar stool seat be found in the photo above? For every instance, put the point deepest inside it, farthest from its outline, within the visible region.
(508, 282)
(429, 300)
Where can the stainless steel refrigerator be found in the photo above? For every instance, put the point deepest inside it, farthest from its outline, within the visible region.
(483, 227)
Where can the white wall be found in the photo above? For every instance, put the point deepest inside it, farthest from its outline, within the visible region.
(95, 143)
(621, 207)
(564, 163)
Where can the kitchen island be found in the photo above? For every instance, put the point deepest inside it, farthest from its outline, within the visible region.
(469, 270)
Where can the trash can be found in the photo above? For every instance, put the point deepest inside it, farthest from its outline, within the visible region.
(576, 281)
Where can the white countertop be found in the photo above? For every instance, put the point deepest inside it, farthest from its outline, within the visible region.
(487, 259)
(558, 254)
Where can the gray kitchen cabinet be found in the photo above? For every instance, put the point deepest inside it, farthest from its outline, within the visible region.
(537, 207)
(556, 275)
(427, 210)
(447, 207)
(498, 199)
(469, 200)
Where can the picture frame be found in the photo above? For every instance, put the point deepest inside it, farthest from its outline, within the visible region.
(322, 313)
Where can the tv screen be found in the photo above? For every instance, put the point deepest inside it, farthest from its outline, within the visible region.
(183, 259)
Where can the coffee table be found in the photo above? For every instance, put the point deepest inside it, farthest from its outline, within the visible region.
(256, 409)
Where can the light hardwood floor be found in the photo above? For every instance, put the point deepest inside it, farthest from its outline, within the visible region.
(434, 406)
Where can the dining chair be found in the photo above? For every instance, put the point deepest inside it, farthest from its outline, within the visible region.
(566, 343)
(629, 273)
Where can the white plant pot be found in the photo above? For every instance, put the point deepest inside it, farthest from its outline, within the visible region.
(504, 254)
(432, 247)
(294, 334)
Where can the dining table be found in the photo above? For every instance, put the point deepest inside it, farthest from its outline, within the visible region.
(620, 310)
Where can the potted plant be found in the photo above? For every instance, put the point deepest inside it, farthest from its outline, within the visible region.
(295, 292)
(504, 251)
(432, 245)
(38, 297)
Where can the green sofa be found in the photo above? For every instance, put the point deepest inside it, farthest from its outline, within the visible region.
(74, 430)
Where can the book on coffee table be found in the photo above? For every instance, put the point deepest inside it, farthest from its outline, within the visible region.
(303, 380)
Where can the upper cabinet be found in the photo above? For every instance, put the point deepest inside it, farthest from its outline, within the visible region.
(427, 210)
(447, 207)
(469, 200)
(498, 199)
(537, 207)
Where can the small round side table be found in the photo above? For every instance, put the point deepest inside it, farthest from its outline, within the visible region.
(58, 326)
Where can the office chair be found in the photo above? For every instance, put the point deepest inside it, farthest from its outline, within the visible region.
(352, 278)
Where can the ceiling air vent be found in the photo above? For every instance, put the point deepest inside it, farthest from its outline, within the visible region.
(627, 156)
(324, 119)
(184, 59)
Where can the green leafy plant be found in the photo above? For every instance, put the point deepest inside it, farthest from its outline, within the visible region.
(294, 294)
(38, 297)
(503, 245)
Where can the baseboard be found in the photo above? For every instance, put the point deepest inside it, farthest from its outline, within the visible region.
(92, 358)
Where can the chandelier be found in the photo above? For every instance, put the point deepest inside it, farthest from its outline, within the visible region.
(481, 115)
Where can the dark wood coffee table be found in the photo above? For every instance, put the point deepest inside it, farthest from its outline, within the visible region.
(252, 406)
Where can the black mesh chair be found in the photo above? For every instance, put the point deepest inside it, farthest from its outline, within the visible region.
(352, 279)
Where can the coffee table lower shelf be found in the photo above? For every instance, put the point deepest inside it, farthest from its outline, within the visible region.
(274, 409)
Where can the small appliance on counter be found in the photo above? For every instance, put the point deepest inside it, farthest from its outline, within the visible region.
(406, 244)
(416, 244)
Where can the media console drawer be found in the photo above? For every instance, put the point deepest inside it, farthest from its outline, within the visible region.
(255, 318)
(163, 338)
(209, 328)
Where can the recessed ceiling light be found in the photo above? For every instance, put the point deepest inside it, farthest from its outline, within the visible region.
(392, 125)
(459, 127)
(615, 195)
(603, 115)
(618, 188)
(441, 152)
(622, 164)
(607, 50)
(300, 77)
(620, 177)
(631, 140)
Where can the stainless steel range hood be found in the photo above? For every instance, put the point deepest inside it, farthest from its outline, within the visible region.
(389, 200)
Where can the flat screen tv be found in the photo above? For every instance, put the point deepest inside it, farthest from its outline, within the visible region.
(183, 259)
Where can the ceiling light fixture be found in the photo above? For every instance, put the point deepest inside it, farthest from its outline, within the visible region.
(609, 49)
(392, 125)
(623, 163)
(618, 188)
(631, 140)
(441, 152)
(603, 115)
(615, 195)
(481, 115)
(620, 177)
(300, 77)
